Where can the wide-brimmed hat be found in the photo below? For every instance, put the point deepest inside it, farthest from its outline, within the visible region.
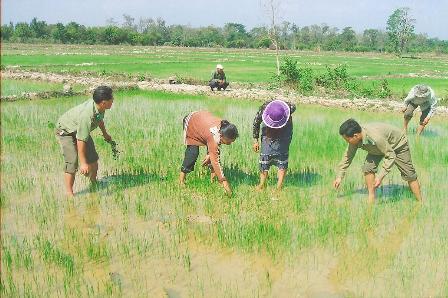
(219, 66)
(276, 114)
(422, 91)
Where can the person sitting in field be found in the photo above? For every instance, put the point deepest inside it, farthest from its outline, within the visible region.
(423, 96)
(276, 136)
(73, 133)
(201, 128)
(381, 141)
(218, 79)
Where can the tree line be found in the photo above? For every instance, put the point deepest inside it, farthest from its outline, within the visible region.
(399, 37)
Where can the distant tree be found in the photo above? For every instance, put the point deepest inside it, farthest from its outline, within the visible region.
(370, 39)
(39, 28)
(129, 22)
(7, 31)
(23, 31)
(235, 35)
(113, 35)
(400, 29)
(272, 8)
(348, 39)
(74, 32)
(59, 33)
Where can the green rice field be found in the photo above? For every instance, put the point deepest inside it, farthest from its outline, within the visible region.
(140, 235)
(243, 66)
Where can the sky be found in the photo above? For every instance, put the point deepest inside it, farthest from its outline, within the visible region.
(431, 15)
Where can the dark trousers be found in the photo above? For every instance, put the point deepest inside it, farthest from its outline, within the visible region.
(215, 84)
(191, 156)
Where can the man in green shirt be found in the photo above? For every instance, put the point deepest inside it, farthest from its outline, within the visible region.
(381, 141)
(218, 79)
(73, 133)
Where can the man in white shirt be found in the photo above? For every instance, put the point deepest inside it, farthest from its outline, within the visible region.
(423, 96)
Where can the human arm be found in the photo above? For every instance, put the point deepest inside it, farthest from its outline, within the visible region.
(433, 102)
(82, 156)
(346, 161)
(292, 107)
(409, 98)
(106, 136)
(256, 127)
(214, 155)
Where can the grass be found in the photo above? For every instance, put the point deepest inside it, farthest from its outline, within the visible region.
(18, 87)
(244, 66)
(137, 233)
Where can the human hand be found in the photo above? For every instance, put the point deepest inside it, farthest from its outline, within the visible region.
(256, 146)
(84, 169)
(378, 182)
(404, 109)
(337, 182)
(206, 160)
(227, 188)
(426, 120)
(107, 137)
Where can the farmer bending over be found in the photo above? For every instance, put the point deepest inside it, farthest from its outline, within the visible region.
(380, 141)
(423, 96)
(73, 133)
(201, 128)
(218, 79)
(276, 135)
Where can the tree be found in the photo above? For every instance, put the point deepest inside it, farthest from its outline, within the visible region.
(400, 29)
(23, 31)
(7, 31)
(235, 35)
(129, 22)
(272, 8)
(370, 39)
(59, 33)
(39, 28)
(348, 39)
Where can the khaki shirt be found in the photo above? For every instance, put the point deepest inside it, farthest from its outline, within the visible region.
(377, 139)
(81, 120)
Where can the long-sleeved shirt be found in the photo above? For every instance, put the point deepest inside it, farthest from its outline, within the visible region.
(218, 76)
(274, 141)
(377, 139)
(424, 103)
(202, 129)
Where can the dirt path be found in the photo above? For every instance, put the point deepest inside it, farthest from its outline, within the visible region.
(382, 105)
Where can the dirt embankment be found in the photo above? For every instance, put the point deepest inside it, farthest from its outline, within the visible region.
(236, 92)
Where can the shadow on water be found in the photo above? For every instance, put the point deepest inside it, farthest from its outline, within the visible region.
(124, 180)
(389, 192)
(303, 178)
(236, 176)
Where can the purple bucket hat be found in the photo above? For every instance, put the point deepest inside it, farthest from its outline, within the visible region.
(276, 114)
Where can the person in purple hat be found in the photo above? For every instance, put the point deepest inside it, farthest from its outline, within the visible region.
(276, 135)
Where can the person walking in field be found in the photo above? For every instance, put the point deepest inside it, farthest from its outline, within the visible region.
(201, 128)
(276, 136)
(381, 141)
(218, 79)
(423, 96)
(73, 133)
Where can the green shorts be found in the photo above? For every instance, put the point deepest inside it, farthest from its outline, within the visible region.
(403, 162)
(70, 151)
